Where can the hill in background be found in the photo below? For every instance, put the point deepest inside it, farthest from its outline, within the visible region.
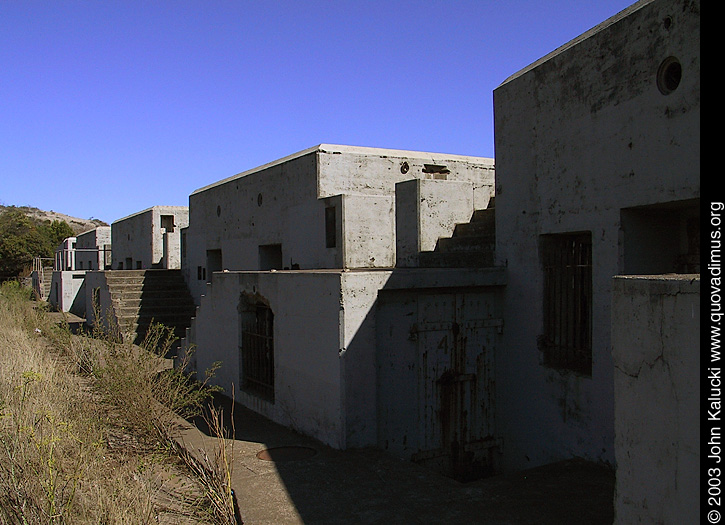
(77, 225)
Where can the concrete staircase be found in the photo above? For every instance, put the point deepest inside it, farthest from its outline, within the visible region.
(46, 278)
(472, 245)
(140, 297)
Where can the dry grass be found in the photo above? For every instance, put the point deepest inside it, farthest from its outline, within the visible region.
(83, 434)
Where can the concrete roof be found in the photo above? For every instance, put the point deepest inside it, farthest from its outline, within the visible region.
(596, 29)
(337, 148)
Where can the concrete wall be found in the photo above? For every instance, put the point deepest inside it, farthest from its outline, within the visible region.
(655, 344)
(65, 255)
(93, 249)
(99, 306)
(581, 135)
(307, 346)
(282, 206)
(67, 292)
(141, 241)
(325, 340)
(427, 210)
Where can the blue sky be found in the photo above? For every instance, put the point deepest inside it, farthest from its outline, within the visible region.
(109, 107)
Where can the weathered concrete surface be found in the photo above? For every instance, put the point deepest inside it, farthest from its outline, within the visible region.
(67, 292)
(324, 342)
(425, 211)
(656, 349)
(369, 487)
(583, 135)
(149, 239)
(286, 203)
(93, 249)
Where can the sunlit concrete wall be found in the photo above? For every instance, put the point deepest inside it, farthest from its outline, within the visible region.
(655, 344)
(324, 380)
(286, 207)
(580, 135)
(65, 255)
(426, 210)
(145, 240)
(93, 249)
(67, 292)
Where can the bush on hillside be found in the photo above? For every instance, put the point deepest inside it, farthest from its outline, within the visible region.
(22, 239)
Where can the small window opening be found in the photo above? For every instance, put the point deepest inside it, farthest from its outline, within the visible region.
(330, 227)
(167, 223)
(567, 339)
(438, 171)
(214, 261)
(257, 349)
(270, 257)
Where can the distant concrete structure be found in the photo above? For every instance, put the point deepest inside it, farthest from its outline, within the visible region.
(90, 250)
(149, 239)
(65, 255)
(93, 249)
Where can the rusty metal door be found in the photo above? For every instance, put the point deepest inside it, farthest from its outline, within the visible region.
(456, 334)
(449, 351)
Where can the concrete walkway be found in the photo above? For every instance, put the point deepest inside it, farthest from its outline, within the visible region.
(281, 477)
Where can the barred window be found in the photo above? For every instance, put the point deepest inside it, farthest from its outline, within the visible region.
(257, 349)
(567, 339)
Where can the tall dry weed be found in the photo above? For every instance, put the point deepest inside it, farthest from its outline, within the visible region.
(81, 422)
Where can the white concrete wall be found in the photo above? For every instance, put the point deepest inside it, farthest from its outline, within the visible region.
(358, 299)
(140, 239)
(101, 314)
(276, 204)
(90, 246)
(284, 203)
(65, 255)
(67, 292)
(581, 134)
(307, 345)
(427, 210)
(368, 231)
(655, 344)
(375, 171)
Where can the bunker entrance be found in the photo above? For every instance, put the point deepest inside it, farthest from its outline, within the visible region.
(436, 384)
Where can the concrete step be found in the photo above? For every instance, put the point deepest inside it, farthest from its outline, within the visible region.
(466, 244)
(183, 312)
(474, 229)
(152, 297)
(469, 259)
(140, 297)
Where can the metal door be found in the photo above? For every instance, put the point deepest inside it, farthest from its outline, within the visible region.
(437, 349)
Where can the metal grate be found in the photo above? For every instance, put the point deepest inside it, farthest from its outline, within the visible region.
(257, 351)
(567, 339)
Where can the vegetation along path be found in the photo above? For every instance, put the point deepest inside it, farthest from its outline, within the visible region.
(84, 426)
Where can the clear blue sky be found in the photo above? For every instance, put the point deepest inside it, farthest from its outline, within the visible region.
(108, 107)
